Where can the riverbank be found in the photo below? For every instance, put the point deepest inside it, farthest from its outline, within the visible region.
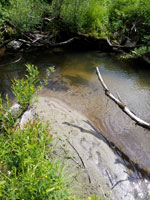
(94, 167)
(33, 24)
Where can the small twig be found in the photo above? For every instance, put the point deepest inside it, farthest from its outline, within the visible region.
(118, 183)
(89, 178)
(109, 178)
(76, 161)
(104, 195)
(24, 41)
(77, 153)
(119, 97)
(72, 158)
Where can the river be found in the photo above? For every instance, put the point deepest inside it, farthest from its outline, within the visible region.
(75, 82)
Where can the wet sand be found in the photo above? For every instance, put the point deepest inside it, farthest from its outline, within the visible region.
(86, 155)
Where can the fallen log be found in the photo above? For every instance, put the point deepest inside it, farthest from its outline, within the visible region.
(61, 43)
(121, 104)
(36, 40)
(127, 46)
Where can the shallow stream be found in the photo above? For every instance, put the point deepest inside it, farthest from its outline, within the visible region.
(75, 82)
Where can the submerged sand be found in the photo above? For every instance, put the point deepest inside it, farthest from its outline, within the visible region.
(93, 166)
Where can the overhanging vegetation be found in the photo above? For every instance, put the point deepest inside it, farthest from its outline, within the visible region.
(124, 24)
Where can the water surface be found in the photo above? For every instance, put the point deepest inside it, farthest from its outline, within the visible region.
(75, 82)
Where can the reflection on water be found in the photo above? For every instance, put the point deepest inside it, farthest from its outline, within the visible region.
(75, 82)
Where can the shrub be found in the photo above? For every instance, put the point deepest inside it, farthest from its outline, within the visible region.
(85, 16)
(7, 119)
(130, 18)
(25, 88)
(26, 15)
(26, 171)
(24, 91)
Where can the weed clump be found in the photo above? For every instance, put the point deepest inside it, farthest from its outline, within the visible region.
(24, 89)
(26, 171)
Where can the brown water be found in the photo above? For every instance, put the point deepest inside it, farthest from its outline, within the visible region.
(75, 82)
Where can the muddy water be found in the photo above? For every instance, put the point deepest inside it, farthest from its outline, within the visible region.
(75, 82)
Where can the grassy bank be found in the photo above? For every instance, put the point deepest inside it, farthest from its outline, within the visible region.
(123, 23)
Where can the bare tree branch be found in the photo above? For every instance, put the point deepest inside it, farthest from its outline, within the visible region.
(121, 104)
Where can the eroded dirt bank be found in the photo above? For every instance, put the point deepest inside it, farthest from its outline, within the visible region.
(86, 155)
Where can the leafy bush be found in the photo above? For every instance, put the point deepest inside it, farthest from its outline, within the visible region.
(2, 19)
(84, 16)
(130, 18)
(25, 88)
(26, 171)
(141, 51)
(25, 15)
(24, 91)
(7, 118)
(4, 2)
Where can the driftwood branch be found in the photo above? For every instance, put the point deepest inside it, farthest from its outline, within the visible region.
(36, 40)
(48, 19)
(121, 104)
(121, 46)
(62, 43)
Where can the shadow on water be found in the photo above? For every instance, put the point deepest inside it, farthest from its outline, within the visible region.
(75, 83)
(57, 86)
(76, 80)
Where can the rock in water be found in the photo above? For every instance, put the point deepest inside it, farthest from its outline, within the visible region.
(14, 45)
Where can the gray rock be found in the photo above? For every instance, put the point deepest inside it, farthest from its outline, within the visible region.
(14, 45)
(15, 109)
(27, 116)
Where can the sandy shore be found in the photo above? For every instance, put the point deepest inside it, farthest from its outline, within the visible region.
(94, 167)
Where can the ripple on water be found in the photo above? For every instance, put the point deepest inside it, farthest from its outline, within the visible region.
(75, 82)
